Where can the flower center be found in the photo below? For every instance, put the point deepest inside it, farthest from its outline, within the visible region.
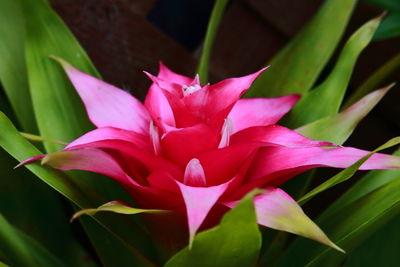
(188, 90)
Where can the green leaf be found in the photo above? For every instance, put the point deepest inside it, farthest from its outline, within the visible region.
(47, 35)
(390, 27)
(22, 250)
(380, 249)
(3, 264)
(346, 173)
(326, 98)
(236, 241)
(297, 66)
(379, 77)
(37, 205)
(21, 149)
(115, 206)
(349, 225)
(338, 127)
(215, 19)
(13, 74)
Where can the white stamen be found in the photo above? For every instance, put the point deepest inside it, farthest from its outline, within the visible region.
(226, 132)
(155, 138)
(187, 90)
(194, 174)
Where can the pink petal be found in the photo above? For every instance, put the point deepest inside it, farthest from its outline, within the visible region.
(277, 159)
(250, 112)
(131, 153)
(158, 107)
(275, 134)
(194, 174)
(182, 113)
(277, 210)
(168, 75)
(110, 133)
(164, 181)
(89, 159)
(29, 160)
(184, 144)
(107, 105)
(223, 164)
(223, 95)
(199, 201)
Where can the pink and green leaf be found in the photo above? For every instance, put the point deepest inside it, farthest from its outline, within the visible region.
(338, 127)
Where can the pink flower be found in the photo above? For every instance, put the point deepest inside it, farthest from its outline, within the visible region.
(196, 150)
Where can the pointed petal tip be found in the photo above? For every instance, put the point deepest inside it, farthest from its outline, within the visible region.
(148, 74)
(29, 160)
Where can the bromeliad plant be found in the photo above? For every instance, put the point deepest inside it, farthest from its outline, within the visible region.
(201, 165)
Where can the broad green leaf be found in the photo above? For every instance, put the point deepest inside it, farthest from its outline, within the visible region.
(346, 173)
(13, 74)
(379, 77)
(47, 35)
(390, 27)
(128, 234)
(3, 264)
(215, 19)
(21, 250)
(12, 142)
(338, 127)
(297, 66)
(380, 249)
(38, 205)
(350, 225)
(114, 206)
(326, 98)
(236, 241)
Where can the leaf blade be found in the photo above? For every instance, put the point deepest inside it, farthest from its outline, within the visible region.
(296, 67)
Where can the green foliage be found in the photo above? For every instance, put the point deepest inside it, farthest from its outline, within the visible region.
(349, 225)
(297, 66)
(376, 80)
(326, 98)
(390, 26)
(13, 74)
(22, 250)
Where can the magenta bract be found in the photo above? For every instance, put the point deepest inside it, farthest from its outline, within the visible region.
(193, 148)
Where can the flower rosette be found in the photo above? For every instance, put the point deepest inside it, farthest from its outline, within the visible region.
(195, 150)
